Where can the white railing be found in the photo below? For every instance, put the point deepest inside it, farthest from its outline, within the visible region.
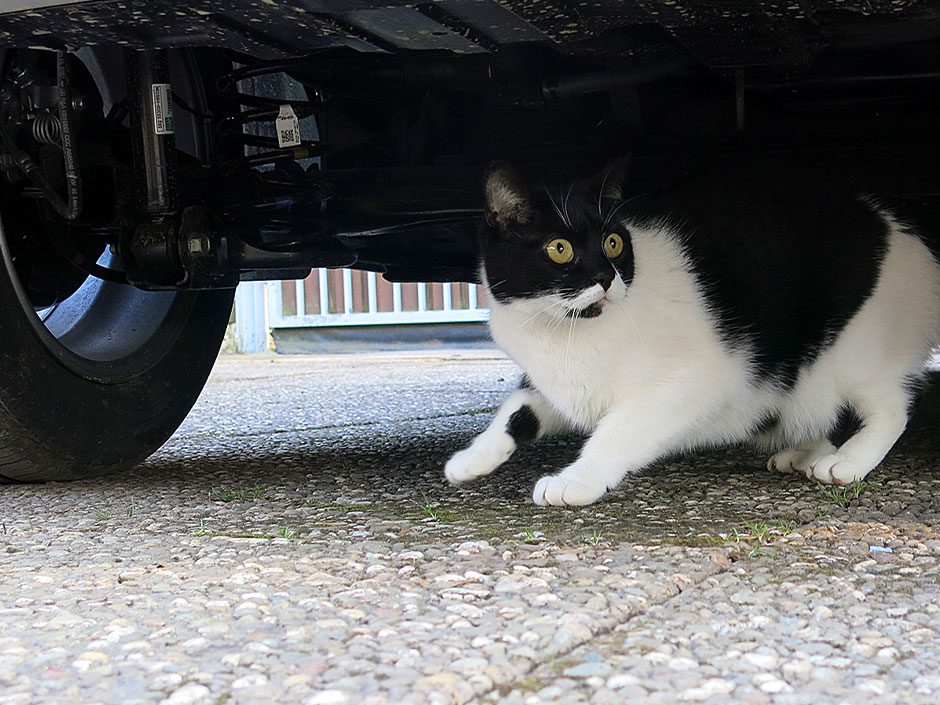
(348, 298)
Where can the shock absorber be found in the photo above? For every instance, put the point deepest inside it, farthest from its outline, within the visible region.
(153, 141)
(151, 250)
(174, 244)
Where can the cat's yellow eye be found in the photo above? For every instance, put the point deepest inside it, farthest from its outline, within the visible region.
(613, 246)
(560, 251)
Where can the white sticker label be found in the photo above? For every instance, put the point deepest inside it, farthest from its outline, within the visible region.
(162, 108)
(287, 127)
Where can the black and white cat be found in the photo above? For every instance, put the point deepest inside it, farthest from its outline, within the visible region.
(746, 306)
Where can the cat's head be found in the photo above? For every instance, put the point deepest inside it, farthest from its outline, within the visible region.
(557, 251)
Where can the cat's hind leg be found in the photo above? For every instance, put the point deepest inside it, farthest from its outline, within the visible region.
(800, 458)
(884, 414)
(524, 416)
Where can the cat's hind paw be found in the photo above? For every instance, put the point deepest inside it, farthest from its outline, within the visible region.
(799, 459)
(785, 461)
(483, 456)
(560, 491)
(836, 469)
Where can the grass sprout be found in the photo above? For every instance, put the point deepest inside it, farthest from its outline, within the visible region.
(761, 534)
(844, 495)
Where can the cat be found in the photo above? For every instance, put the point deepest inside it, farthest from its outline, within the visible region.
(744, 306)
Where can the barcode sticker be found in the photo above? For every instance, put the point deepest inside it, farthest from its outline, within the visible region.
(287, 127)
(162, 108)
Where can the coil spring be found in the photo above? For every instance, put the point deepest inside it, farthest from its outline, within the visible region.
(46, 128)
(286, 194)
(264, 110)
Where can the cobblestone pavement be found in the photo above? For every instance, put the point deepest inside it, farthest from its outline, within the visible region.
(295, 543)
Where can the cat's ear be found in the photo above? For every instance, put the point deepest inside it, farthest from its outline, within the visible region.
(507, 198)
(611, 180)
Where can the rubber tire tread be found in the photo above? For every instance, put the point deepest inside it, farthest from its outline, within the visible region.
(57, 425)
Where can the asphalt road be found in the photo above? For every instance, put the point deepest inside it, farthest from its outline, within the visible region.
(295, 542)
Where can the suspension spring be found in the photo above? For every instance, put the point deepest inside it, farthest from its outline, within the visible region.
(257, 110)
(283, 193)
(46, 128)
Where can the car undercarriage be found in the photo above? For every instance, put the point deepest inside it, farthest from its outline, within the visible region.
(409, 102)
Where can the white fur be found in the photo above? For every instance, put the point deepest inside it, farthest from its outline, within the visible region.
(652, 375)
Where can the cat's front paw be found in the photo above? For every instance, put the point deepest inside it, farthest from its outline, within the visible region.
(481, 458)
(560, 490)
(836, 469)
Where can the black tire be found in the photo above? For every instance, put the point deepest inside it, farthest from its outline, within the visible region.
(103, 381)
(59, 424)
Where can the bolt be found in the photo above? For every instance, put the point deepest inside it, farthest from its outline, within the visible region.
(198, 245)
(78, 103)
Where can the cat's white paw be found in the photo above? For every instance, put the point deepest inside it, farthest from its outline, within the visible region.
(483, 456)
(799, 459)
(836, 469)
(785, 461)
(559, 491)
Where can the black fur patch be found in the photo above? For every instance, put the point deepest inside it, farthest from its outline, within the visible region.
(592, 311)
(785, 259)
(766, 424)
(846, 426)
(523, 425)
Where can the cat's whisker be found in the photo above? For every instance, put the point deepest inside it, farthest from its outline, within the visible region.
(561, 320)
(568, 346)
(639, 334)
(558, 320)
(600, 194)
(546, 309)
(558, 324)
(613, 212)
(552, 201)
(564, 205)
(620, 205)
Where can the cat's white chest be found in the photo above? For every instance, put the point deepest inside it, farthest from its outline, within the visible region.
(573, 366)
